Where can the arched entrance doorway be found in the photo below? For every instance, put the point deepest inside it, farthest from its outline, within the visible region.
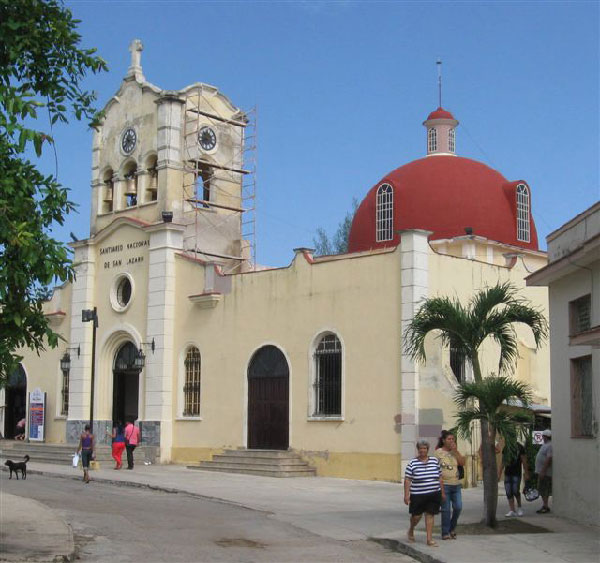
(15, 407)
(126, 384)
(268, 400)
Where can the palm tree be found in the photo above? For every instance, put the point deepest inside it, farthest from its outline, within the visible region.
(492, 312)
(486, 401)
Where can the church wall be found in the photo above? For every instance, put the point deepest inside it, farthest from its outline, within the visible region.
(358, 299)
(123, 252)
(462, 278)
(43, 370)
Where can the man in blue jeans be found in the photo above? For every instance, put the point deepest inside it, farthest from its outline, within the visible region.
(450, 459)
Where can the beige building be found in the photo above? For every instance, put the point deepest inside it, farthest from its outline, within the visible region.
(208, 351)
(573, 278)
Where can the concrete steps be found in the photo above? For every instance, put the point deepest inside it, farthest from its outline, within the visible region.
(268, 463)
(60, 454)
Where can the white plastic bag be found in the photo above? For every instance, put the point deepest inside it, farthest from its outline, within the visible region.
(75, 460)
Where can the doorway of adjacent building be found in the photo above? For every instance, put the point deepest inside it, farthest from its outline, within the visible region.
(268, 400)
(126, 384)
(15, 405)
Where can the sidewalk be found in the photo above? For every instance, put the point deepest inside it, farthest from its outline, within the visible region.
(340, 509)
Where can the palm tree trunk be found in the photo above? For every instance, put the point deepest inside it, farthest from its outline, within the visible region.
(490, 474)
(488, 455)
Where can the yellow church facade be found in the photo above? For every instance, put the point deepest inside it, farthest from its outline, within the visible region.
(207, 351)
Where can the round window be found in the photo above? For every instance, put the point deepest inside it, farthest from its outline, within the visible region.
(124, 292)
(121, 293)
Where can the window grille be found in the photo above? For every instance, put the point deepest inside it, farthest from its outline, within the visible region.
(64, 409)
(522, 213)
(580, 314)
(385, 213)
(458, 364)
(191, 389)
(581, 397)
(432, 140)
(328, 381)
(451, 140)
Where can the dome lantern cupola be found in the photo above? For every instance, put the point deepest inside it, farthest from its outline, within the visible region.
(441, 127)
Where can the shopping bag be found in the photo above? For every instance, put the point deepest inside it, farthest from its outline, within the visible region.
(94, 465)
(75, 460)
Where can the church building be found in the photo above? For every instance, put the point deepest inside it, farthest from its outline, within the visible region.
(176, 326)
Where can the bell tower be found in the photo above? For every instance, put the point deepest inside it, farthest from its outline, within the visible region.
(180, 155)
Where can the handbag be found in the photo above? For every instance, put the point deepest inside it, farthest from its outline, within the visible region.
(461, 472)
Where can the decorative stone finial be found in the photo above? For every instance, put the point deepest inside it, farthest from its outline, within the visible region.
(135, 69)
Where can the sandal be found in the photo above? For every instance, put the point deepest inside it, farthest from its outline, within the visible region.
(432, 543)
(411, 537)
(543, 510)
(453, 535)
(448, 537)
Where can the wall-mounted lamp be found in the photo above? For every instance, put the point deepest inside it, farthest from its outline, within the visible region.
(65, 361)
(140, 358)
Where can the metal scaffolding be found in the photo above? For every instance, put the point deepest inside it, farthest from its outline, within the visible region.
(219, 190)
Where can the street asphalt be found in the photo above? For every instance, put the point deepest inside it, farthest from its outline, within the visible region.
(340, 509)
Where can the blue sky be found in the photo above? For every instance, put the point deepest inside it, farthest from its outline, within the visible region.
(342, 89)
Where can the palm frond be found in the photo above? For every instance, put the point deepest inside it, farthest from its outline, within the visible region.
(441, 314)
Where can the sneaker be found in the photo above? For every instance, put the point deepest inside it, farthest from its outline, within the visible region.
(510, 514)
(520, 512)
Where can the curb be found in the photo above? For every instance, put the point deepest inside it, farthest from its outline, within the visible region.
(405, 549)
(149, 486)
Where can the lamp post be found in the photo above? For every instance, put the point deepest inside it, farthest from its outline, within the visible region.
(88, 315)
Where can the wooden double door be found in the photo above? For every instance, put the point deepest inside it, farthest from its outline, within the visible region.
(268, 400)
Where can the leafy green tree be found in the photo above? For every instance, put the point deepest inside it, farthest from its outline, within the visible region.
(486, 402)
(338, 243)
(41, 70)
(491, 313)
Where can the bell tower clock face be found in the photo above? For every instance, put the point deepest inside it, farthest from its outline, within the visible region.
(128, 140)
(207, 138)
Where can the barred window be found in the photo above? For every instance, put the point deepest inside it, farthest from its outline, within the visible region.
(64, 408)
(522, 213)
(581, 397)
(385, 213)
(457, 363)
(191, 389)
(328, 380)
(432, 140)
(580, 313)
(451, 140)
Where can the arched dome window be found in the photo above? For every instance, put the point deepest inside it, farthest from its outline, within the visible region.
(384, 222)
(451, 140)
(432, 140)
(523, 231)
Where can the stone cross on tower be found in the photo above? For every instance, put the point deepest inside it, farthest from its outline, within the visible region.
(135, 69)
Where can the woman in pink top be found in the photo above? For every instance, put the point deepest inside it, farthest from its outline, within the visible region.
(132, 439)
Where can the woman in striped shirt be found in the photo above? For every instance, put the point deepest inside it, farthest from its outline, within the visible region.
(423, 490)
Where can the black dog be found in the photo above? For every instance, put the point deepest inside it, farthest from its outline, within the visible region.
(17, 466)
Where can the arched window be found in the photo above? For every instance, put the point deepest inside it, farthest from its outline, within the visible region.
(432, 140)
(458, 364)
(523, 233)
(328, 376)
(385, 213)
(191, 388)
(451, 140)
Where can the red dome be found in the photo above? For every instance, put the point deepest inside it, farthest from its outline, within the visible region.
(444, 194)
(440, 113)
